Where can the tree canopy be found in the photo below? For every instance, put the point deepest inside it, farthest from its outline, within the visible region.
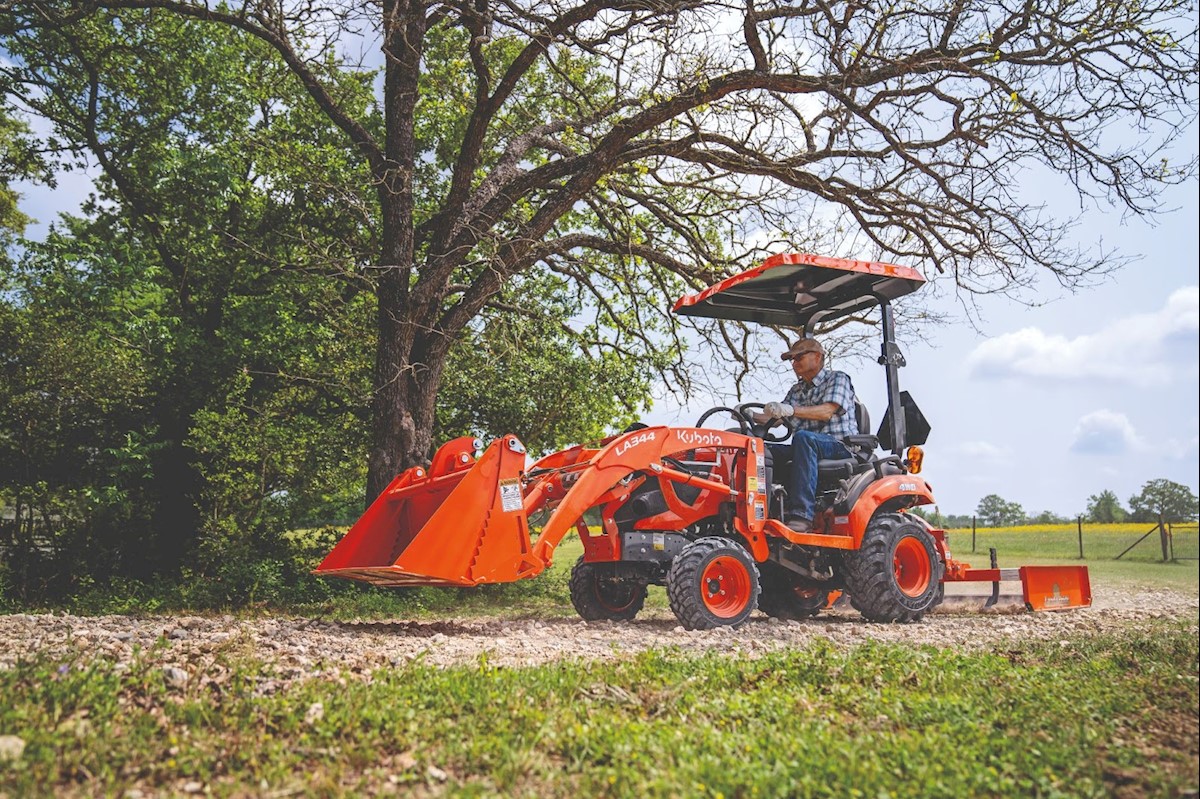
(1105, 508)
(995, 511)
(302, 256)
(1166, 500)
(636, 148)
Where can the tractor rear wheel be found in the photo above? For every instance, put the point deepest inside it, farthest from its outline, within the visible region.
(713, 582)
(896, 574)
(787, 596)
(602, 591)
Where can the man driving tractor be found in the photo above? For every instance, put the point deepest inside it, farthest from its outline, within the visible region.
(819, 407)
(694, 508)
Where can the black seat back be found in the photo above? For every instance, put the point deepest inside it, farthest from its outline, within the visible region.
(862, 448)
(863, 417)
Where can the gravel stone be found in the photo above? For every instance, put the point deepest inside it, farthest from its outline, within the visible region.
(303, 649)
(12, 748)
(176, 677)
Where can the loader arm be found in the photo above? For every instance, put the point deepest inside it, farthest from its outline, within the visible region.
(466, 523)
(607, 479)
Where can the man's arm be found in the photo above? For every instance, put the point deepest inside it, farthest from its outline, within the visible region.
(837, 396)
(818, 413)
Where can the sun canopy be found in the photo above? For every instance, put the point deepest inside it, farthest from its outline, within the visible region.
(793, 290)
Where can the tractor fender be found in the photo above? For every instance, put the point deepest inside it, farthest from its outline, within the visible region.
(890, 493)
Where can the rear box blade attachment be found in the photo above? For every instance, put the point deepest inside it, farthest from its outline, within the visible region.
(461, 522)
(1042, 587)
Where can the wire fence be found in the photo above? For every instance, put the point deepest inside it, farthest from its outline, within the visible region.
(1184, 541)
(1165, 541)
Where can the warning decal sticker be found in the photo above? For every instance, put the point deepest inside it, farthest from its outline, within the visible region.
(510, 495)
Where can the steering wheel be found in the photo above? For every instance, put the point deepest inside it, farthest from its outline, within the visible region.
(744, 416)
(763, 430)
(744, 423)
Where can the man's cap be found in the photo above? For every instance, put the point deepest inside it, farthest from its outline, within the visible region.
(802, 346)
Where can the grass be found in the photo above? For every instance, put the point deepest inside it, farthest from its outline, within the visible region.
(1059, 544)
(1092, 716)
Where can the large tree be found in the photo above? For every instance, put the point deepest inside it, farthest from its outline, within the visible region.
(634, 146)
(1164, 499)
(191, 353)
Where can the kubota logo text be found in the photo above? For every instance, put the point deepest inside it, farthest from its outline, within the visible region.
(633, 442)
(692, 438)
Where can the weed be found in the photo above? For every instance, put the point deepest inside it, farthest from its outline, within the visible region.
(1093, 716)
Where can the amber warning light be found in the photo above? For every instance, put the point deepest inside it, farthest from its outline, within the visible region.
(913, 458)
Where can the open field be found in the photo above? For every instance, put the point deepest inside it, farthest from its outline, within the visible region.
(503, 691)
(1100, 541)
(1142, 567)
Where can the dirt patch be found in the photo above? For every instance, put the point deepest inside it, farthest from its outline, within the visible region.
(188, 647)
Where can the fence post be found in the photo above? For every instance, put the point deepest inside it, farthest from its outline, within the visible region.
(1079, 521)
(972, 535)
(1162, 537)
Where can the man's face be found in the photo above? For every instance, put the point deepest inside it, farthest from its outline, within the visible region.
(807, 364)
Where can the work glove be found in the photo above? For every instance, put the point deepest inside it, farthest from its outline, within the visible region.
(778, 410)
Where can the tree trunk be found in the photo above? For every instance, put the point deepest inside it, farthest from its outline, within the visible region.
(406, 405)
(402, 407)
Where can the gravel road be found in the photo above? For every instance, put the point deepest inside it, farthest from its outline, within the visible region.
(194, 648)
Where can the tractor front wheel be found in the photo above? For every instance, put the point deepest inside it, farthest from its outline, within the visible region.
(786, 596)
(602, 591)
(896, 574)
(713, 582)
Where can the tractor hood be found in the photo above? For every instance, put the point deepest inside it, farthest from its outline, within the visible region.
(793, 290)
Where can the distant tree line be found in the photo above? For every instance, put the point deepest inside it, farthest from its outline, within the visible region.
(1159, 498)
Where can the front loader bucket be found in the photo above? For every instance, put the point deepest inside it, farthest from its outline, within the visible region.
(462, 522)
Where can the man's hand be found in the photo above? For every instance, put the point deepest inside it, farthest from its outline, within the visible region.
(778, 410)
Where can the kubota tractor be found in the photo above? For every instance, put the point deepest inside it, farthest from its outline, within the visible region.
(698, 509)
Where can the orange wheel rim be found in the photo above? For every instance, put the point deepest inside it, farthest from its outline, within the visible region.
(912, 567)
(725, 586)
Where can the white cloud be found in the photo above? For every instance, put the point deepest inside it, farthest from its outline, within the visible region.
(984, 451)
(1153, 349)
(1182, 449)
(1105, 432)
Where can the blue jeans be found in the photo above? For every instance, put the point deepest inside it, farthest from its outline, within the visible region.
(803, 453)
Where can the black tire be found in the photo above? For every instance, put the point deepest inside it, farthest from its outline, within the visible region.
(787, 596)
(606, 591)
(713, 582)
(940, 598)
(896, 575)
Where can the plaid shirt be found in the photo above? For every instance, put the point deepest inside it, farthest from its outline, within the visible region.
(827, 386)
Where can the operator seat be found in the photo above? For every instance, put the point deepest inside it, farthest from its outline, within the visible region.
(862, 450)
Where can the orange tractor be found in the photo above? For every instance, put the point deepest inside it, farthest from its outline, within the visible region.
(699, 509)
